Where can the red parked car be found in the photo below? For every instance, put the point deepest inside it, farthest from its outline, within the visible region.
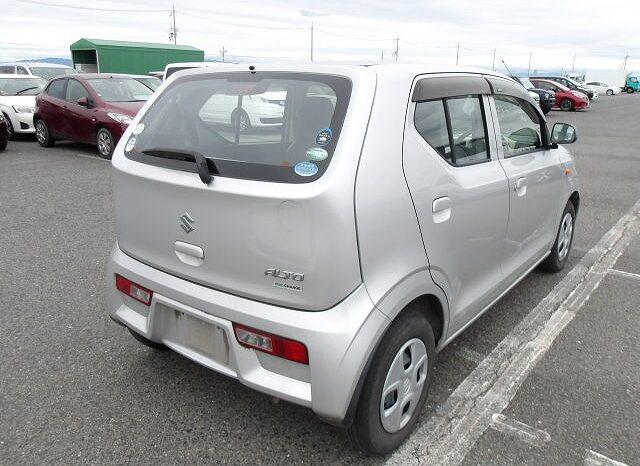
(92, 108)
(566, 99)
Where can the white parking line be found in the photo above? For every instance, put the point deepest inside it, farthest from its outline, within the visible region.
(470, 355)
(447, 436)
(624, 274)
(524, 432)
(592, 458)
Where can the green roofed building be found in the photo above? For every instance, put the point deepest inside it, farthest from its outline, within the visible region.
(114, 56)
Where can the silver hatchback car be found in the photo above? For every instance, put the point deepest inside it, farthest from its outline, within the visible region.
(326, 255)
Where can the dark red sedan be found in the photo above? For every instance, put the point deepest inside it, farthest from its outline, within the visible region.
(566, 99)
(92, 108)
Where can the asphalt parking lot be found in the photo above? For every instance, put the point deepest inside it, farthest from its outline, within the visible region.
(76, 388)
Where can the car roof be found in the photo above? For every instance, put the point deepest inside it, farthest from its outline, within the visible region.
(98, 75)
(35, 64)
(20, 76)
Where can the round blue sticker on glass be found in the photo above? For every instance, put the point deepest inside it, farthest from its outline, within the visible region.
(305, 168)
(324, 136)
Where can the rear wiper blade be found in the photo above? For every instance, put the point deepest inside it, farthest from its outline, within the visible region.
(202, 163)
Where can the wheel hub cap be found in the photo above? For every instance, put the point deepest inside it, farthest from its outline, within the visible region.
(564, 236)
(404, 385)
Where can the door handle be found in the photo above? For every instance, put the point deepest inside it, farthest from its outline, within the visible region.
(520, 186)
(441, 209)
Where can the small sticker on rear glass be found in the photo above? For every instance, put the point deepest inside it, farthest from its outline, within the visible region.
(139, 128)
(130, 144)
(324, 136)
(317, 154)
(305, 168)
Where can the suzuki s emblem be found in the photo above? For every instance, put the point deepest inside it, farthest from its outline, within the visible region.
(186, 222)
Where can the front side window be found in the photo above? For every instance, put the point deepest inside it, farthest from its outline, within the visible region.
(120, 89)
(22, 86)
(455, 128)
(520, 126)
(22, 70)
(280, 127)
(75, 91)
(56, 89)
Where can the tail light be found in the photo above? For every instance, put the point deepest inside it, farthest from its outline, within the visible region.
(271, 344)
(137, 292)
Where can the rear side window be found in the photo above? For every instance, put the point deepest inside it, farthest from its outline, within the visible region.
(280, 127)
(56, 89)
(455, 127)
(7, 69)
(520, 126)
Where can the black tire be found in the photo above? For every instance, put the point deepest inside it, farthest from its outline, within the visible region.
(557, 259)
(609, 91)
(630, 90)
(3, 143)
(105, 142)
(147, 342)
(566, 105)
(43, 136)
(240, 118)
(367, 431)
(10, 132)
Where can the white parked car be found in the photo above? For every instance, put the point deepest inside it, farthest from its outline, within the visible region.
(44, 70)
(604, 88)
(18, 101)
(256, 111)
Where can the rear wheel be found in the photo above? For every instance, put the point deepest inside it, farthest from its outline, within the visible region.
(559, 255)
(609, 91)
(629, 90)
(396, 386)
(105, 143)
(566, 105)
(43, 135)
(147, 342)
(240, 120)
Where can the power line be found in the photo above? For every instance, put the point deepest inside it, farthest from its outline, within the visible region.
(240, 25)
(79, 7)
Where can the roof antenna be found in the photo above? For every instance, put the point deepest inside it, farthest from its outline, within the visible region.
(508, 70)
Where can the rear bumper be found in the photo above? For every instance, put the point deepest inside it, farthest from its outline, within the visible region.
(339, 340)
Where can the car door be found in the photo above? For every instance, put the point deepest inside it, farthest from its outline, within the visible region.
(79, 118)
(52, 108)
(459, 190)
(535, 177)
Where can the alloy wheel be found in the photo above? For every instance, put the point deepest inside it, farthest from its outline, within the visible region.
(403, 385)
(40, 132)
(104, 143)
(565, 235)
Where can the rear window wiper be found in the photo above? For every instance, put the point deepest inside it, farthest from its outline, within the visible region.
(202, 163)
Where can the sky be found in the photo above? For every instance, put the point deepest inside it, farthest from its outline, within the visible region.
(550, 33)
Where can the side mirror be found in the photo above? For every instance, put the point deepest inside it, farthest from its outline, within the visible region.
(83, 102)
(563, 133)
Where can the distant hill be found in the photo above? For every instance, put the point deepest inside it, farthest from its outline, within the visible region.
(57, 60)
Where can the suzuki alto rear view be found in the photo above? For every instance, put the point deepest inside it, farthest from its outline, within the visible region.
(319, 233)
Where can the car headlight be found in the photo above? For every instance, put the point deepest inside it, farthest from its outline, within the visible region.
(120, 118)
(22, 109)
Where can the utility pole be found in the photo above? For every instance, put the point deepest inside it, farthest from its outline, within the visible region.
(529, 70)
(223, 52)
(311, 41)
(624, 64)
(573, 67)
(458, 53)
(397, 41)
(494, 59)
(173, 33)
(382, 55)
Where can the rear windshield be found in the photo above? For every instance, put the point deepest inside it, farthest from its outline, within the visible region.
(120, 89)
(280, 127)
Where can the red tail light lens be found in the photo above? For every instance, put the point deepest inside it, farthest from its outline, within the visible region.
(137, 292)
(271, 344)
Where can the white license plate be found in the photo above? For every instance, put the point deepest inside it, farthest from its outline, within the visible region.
(196, 334)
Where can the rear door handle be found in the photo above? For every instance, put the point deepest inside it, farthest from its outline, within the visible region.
(520, 186)
(441, 209)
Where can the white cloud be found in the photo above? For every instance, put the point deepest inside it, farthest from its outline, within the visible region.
(553, 31)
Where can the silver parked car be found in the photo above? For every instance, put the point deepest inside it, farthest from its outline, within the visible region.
(326, 260)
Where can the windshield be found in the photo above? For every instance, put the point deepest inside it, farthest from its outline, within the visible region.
(120, 89)
(526, 83)
(21, 86)
(150, 82)
(48, 72)
(280, 127)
